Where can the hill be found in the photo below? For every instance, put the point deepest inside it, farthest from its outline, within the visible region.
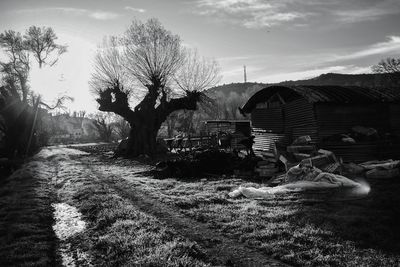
(362, 80)
(238, 88)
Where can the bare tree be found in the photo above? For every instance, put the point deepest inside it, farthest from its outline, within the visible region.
(15, 70)
(41, 42)
(198, 73)
(121, 127)
(17, 49)
(19, 106)
(104, 126)
(108, 66)
(388, 65)
(147, 62)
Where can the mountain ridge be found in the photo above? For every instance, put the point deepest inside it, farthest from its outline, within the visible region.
(362, 80)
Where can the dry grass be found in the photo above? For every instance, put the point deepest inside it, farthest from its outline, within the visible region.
(118, 233)
(121, 235)
(364, 232)
(290, 227)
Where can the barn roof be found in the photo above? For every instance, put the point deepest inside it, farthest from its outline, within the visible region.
(316, 94)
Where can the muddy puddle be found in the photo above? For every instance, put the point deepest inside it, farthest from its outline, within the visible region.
(68, 222)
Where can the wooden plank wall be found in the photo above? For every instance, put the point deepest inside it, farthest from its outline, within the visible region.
(269, 119)
(229, 127)
(325, 119)
(336, 119)
(215, 127)
(300, 120)
(265, 141)
(283, 124)
(395, 118)
(363, 151)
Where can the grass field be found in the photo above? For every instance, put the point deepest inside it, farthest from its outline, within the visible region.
(298, 229)
(295, 228)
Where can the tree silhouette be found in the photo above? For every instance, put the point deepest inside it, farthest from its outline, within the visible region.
(19, 106)
(104, 127)
(151, 65)
(388, 65)
(41, 42)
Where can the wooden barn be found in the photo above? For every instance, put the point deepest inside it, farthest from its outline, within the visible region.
(280, 114)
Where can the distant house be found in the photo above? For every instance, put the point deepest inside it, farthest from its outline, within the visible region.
(72, 129)
(280, 114)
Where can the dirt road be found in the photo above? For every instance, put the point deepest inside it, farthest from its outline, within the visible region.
(112, 212)
(74, 169)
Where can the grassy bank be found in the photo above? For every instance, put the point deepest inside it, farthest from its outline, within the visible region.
(26, 218)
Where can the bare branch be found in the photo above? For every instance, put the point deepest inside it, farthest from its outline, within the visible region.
(197, 74)
(60, 103)
(114, 99)
(388, 65)
(41, 41)
(108, 66)
(153, 54)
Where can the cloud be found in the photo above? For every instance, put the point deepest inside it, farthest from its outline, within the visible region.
(241, 58)
(368, 13)
(269, 68)
(311, 73)
(97, 14)
(252, 14)
(261, 20)
(103, 15)
(256, 14)
(392, 44)
(134, 9)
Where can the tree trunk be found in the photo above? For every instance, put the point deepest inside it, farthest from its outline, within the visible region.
(146, 119)
(142, 140)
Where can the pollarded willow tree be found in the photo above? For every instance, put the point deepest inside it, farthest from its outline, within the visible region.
(149, 64)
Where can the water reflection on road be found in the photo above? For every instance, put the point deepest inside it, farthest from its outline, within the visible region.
(68, 222)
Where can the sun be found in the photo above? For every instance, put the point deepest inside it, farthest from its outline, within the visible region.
(70, 76)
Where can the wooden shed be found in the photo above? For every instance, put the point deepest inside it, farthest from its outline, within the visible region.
(280, 114)
(237, 129)
(229, 126)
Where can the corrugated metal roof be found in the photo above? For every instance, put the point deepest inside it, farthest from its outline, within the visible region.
(315, 94)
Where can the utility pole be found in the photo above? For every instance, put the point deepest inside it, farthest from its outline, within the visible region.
(245, 75)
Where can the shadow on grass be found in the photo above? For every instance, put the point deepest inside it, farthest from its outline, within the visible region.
(372, 222)
(313, 229)
(291, 227)
(26, 219)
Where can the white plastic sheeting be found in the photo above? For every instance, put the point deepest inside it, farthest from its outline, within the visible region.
(306, 179)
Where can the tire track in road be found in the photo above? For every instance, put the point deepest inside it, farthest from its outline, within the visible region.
(221, 250)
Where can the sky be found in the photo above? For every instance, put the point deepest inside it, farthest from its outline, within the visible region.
(277, 40)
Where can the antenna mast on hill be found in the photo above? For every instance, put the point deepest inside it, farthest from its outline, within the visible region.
(245, 75)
